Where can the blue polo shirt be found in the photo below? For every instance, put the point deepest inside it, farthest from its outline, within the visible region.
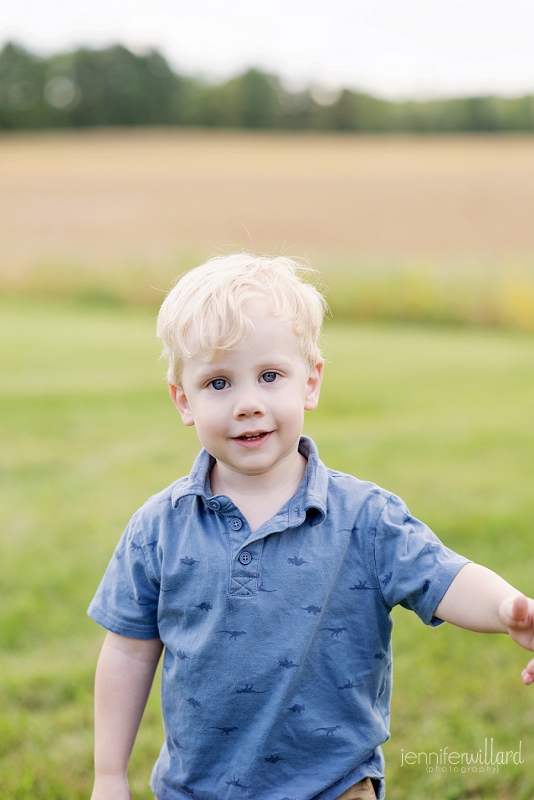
(276, 678)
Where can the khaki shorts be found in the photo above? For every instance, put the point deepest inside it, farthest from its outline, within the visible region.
(363, 790)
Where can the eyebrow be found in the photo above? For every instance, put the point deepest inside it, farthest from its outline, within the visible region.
(214, 368)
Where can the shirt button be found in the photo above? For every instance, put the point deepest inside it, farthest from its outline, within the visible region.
(236, 524)
(245, 558)
(214, 505)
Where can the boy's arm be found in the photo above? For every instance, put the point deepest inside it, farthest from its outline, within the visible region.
(480, 600)
(124, 676)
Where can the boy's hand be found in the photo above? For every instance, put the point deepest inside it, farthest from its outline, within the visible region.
(517, 613)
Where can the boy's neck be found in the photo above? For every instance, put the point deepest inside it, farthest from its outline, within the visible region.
(259, 497)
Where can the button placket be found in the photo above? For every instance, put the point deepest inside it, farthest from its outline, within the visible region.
(244, 576)
(245, 562)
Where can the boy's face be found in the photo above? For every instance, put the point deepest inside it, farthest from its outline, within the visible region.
(248, 406)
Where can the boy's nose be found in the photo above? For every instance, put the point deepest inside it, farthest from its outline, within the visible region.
(248, 404)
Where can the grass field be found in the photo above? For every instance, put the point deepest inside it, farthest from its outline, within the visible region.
(442, 416)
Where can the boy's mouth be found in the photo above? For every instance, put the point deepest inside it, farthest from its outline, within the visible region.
(251, 437)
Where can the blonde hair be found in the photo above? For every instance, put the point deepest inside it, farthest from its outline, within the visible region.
(204, 315)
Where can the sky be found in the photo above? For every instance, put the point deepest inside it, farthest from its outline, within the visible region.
(391, 48)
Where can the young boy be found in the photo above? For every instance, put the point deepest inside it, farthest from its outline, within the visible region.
(268, 578)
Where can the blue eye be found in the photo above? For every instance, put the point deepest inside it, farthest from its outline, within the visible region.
(218, 384)
(269, 377)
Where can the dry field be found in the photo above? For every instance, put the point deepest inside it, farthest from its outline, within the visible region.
(118, 211)
(119, 195)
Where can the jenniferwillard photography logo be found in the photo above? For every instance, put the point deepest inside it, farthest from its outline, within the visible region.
(486, 759)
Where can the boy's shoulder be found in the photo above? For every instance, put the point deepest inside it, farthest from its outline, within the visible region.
(346, 482)
(354, 496)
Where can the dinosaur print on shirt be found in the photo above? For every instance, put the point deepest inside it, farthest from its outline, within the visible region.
(235, 782)
(334, 631)
(248, 689)
(234, 634)
(298, 562)
(287, 664)
(361, 585)
(225, 730)
(313, 609)
(329, 731)
(296, 708)
(349, 685)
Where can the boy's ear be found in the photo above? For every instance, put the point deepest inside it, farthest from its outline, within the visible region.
(182, 404)
(313, 387)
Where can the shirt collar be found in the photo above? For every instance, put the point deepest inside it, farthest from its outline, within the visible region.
(311, 494)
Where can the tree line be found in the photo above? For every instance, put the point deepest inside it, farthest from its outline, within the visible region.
(115, 86)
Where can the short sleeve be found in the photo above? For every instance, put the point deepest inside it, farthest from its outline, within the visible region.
(414, 568)
(126, 601)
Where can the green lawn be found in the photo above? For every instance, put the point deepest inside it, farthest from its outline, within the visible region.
(442, 416)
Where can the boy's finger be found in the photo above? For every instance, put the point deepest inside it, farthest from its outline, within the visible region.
(520, 608)
(516, 611)
(528, 673)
